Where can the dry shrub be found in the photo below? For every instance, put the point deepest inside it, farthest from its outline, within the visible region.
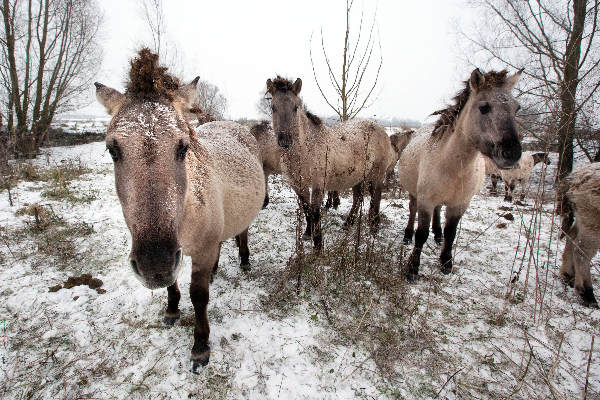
(357, 288)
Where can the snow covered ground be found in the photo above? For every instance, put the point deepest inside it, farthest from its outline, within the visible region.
(534, 342)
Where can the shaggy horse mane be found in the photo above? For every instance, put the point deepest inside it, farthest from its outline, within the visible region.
(282, 84)
(449, 115)
(315, 120)
(260, 129)
(148, 80)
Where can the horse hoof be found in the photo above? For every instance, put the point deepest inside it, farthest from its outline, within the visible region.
(446, 269)
(200, 359)
(438, 240)
(407, 240)
(170, 319)
(306, 237)
(568, 279)
(412, 277)
(245, 266)
(587, 297)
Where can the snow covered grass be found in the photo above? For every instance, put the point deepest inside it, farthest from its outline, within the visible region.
(502, 325)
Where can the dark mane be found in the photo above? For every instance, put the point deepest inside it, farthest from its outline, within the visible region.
(282, 84)
(260, 129)
(449, 115)
(315, 120)
(148, 80)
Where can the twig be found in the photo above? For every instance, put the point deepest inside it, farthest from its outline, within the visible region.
(587, 373)
(448, 380)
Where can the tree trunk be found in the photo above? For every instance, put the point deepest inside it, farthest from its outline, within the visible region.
(568, 89)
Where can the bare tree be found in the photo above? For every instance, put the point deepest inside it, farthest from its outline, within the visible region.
(354, 85)
(263, 106)
(161, 43)
(48, 58)
(555, 41)
(211, 100)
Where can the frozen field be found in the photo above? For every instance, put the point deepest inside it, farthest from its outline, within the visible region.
(502, 325)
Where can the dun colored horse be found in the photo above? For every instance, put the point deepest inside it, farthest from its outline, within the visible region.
(317, 157)
(181, 192)
(445, 167)
(580, 211)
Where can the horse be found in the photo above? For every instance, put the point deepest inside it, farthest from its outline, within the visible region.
(580, 214)
(181, 191)
(399, 141)
(521, 173)
(270, 153)
(443, 165)
(494, 174)
(317, 157)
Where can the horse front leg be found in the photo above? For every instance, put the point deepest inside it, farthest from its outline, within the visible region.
(244, 252)
(453, 216)
(425, 212)
(410, 226)
(567, 268)
(509, 188)
(315, 211)
(172, 313)
(201, 272)
(357, 195)
(436, 225)
(304, 202)
(494, 180)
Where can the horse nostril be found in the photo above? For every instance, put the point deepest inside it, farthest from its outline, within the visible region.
(134, 267)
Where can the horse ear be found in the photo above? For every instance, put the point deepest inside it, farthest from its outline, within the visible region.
(270, 87)
(476, 80)
(512, 80)
(297, 86)
(188, 93)
(110, 98)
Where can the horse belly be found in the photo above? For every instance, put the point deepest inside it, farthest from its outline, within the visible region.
(241, 203)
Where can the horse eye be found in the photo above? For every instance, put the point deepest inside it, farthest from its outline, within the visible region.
(182, 151)
(485, 108)
(115, 152)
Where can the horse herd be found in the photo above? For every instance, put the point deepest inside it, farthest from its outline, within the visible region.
(185, 190)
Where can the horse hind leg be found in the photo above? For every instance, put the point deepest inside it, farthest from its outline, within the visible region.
(436, 225)
(410, 226)
(244, 252)
(587, 246)
(509, 188)
(333, 200)
(453, 216)
(421, 235)
(266, 200)
(172, 312)
(567, 268)
(374, 215)
(357, 195)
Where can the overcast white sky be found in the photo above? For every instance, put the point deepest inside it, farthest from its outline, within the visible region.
(237, 45)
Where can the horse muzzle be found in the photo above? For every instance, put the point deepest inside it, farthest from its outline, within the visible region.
(158, 267)
(284, 141)
(507, 154)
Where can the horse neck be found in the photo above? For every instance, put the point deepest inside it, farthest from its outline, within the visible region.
(458, 146)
